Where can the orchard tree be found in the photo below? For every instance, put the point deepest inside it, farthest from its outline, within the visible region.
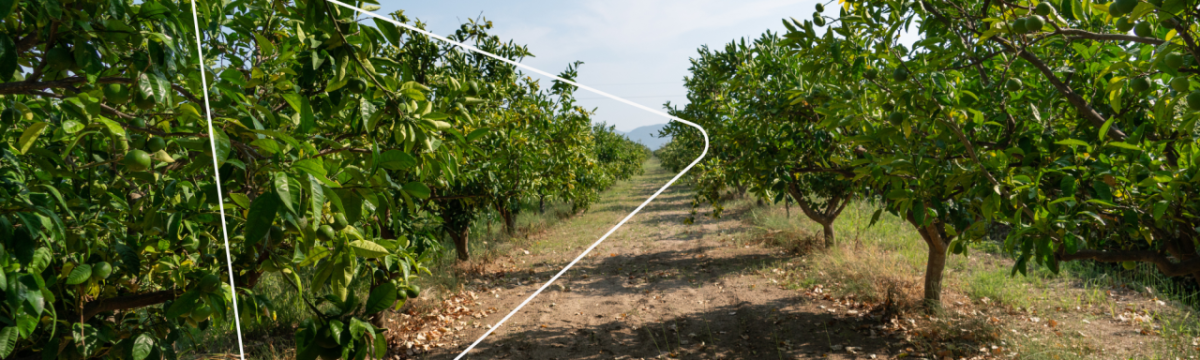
(108, 208)
(1049, 117)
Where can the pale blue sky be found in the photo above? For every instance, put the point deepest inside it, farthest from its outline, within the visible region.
(637, 49)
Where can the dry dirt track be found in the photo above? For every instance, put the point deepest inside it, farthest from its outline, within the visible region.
(655, 288)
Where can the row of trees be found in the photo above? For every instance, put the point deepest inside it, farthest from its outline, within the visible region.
(1049, 117)
(346, 151)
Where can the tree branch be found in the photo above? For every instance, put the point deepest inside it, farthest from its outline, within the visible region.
(20, 87)
(1082, 34)
(1080, 104)
(1164, 264)
(126, 302)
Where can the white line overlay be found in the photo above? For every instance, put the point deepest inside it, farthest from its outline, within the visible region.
(212, 140)
(598, 92)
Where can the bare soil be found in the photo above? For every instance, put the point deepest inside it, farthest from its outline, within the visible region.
(661, 289)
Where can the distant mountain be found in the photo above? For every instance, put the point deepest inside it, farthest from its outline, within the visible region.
(648, 135)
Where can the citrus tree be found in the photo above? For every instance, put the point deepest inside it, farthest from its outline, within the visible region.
(108, 208)
(764, 139)
(345, 144)
(1046, 116)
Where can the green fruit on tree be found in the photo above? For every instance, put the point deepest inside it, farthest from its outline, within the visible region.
(101, 270)
(326, 233)
(1181, 84)
(356, 86)
(156, 143)
(818, 20)
(138, 122)
(870, 74)
(1143, 29)
(1193, 100)
(888, 106)
(139, 141)
(897, 118)
(1123, 25)
(1140, 84)
(1173, 60)
(1121, 7)
(116, 94)
(1014, 84)
(820, 7)
(1018, 26)
(201, 313)
(413, 291)
(339, 221)
(9, 116)
(1044, 9)
(900, 74)
(210, 283)
(1034, 23)
(143, 102)
(137, 160)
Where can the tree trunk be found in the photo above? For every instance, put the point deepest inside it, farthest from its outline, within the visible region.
(542, 204)
(787, 207)
(510, 222)
(828, 232)
(826, 216)
(460, 237)
(937, 241)
(759, 203)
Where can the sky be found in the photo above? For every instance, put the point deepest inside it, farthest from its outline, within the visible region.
(635, 49)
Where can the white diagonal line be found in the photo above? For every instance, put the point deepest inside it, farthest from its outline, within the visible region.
(588, 88)
(212, 140)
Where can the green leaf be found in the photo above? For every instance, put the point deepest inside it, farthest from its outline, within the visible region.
(875, 217)
(301, 105)
(183, 305)
(1104, 128)
(368, 249)
(29, 136)
(224, 147)
(284, 190)
(79, 274)
(240, 199)
(6, 8)
(417, 189)
(1124, 145)
(142, 346)
(260, 217)
(477, 133)
(8, 49)
(313, 166)
(382, 297)
(8, 341)
(389, 31)
(1071, 142)
(396, 160)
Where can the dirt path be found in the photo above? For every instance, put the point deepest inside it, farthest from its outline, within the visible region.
(655, 288)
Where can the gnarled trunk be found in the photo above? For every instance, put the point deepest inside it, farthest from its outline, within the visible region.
(456, 221)
(825, 216)
(460, 237)
(938, 243)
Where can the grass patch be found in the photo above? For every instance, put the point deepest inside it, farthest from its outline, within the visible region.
(1009, 312)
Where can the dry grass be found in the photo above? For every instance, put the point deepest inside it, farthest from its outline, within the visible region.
(1079, 313)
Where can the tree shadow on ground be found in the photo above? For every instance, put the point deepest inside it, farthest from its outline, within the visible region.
(771, 330)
